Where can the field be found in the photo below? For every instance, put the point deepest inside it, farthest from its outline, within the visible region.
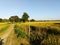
(30, 33)
(3, 28)
(42, 33)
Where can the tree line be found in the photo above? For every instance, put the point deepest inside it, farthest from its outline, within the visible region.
(24, 18)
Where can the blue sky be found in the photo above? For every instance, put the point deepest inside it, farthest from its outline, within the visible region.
(36, 9)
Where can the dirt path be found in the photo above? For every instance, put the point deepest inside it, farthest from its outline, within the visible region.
(12, 39)
(6, 35)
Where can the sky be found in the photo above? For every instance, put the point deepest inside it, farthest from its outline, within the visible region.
(36, 9)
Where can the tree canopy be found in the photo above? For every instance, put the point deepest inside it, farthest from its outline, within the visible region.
(14, 19)
(0, 19)
(32, 20)
(25, 17)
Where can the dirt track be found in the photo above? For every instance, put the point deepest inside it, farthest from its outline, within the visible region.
(6, 35)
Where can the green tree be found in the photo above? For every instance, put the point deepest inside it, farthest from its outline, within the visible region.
(25, 17)
(0, 19)
(5, 20)
(14, 19)
(32, 20)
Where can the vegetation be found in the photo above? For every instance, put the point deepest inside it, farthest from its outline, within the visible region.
(2, 25)
(14, 19)
(3, 28)
(43, 33)
(19, 32)
(21, 35)
(0, 19)
(25, 17)
(32, 20)
(30, 32)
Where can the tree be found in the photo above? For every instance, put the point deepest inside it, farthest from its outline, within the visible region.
(0, 19)
(32, 20)
(25, 17)
(5, 20)
(14, 19)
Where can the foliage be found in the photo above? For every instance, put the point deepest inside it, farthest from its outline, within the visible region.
(1, 30)
(43, 32)
(19, 32)
(14, 19)
(5, 20)
(25, 17)
(0, 19)
(4, 28)
(32, 20)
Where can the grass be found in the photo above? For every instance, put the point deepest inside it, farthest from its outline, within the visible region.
(4, 28)
(48, 31)
(21, 35)
(19, 32)
(2, 25)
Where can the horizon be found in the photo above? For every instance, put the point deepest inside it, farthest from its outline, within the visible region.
(36, 9)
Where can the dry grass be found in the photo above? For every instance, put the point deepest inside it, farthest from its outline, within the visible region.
(52, 25)
(25, 28)
(2, 25)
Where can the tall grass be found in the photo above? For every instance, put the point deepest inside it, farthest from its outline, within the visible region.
(45, 35)
(19, 32)
(21, 35)
(4, 29)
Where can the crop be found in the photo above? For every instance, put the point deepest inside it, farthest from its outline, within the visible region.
(3, 28)
(19, 32)
(43, 33)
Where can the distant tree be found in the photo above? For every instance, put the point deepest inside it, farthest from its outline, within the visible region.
(14, 19)
(5, 20)
(0, 19)
(25, 17)
(21, 20)
(32, 20)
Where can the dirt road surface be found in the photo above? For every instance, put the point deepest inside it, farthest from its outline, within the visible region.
(6, 35)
